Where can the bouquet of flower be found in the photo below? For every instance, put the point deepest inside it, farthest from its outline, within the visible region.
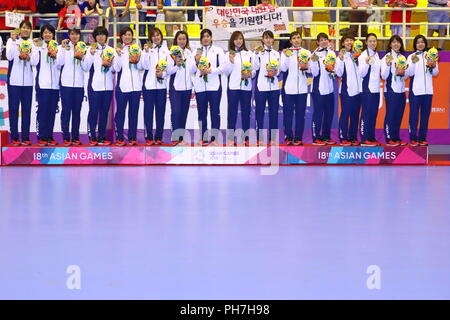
(401, 66)
(203, 65)
(52, 49)
(432, 56)
(79, 50)
(303, 58)
(272, 69)
(177, 53)
(107, 57)
(330, 62)
(357, 49)
(161, 66)
(247, 68)
(24, 50)
(134, 54)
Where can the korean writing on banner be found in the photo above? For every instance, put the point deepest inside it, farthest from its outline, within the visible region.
(13, 19)
(251, 21)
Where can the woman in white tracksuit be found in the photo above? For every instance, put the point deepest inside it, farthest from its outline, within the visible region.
(349, 92)
(207, 85)
(180, 70)
(47, 88)
(100, 88)
(155, 87)
(296, 90)
(20, 84)
(394, 91)
(421, 76)
(369, 64)
(72, 87)
(128, 88)
(322, 93)
(239, 86)
(267, 87)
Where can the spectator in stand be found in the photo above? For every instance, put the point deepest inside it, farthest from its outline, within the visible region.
(220, 3)
(81, 4)
(236, 3)
(191, 13)
(303, 18)
(66, 18)
(397, 16)
(121, 15)
(4, 6)
(379, 15)
(23, 6)
(90, 8)
(266, 3)
(49, 6)
(173, 16)
(284, 3)
(358, 15)
(17, 6)
(145, 16)
(342, 14)
(285, 43)
(438, 17)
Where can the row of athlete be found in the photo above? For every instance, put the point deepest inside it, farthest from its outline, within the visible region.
(180, 70)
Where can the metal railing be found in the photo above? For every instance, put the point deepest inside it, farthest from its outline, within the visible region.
(31, 17)
(337, 25)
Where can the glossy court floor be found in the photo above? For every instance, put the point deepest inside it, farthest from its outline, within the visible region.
(225, 232)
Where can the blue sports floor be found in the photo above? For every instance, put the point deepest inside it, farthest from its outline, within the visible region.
(225, 232)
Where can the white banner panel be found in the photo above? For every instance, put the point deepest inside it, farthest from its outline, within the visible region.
(251, 21)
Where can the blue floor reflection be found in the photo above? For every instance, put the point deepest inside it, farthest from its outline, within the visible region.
(225, 232)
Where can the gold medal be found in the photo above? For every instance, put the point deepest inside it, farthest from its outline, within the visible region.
(389, 58)
(37, 42)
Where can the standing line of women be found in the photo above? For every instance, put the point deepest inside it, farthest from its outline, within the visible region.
(155, 70)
